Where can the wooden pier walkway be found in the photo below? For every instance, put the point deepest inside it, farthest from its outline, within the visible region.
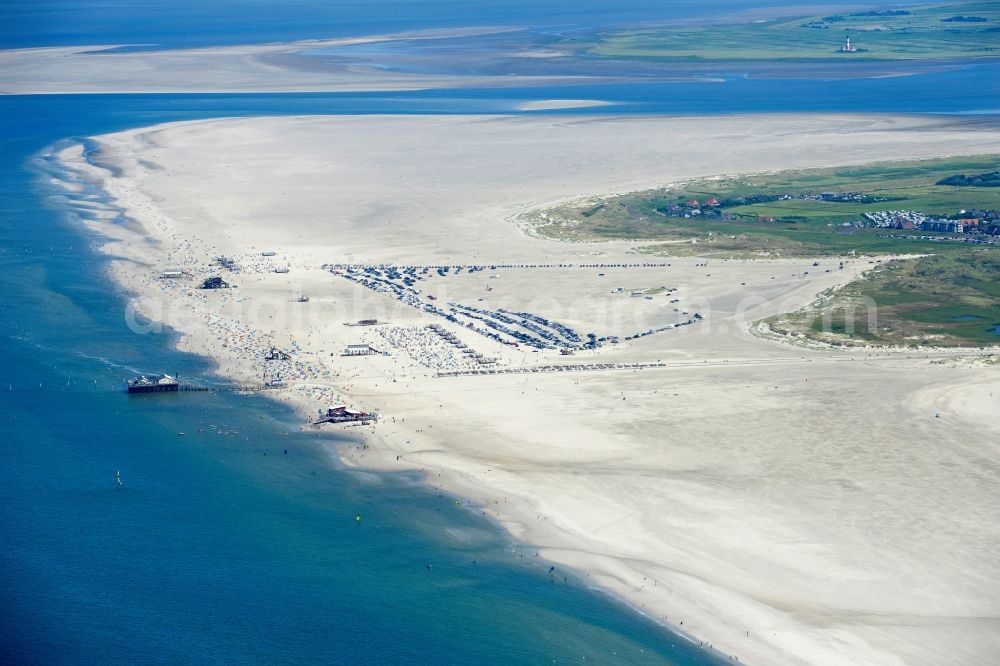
(187, 388)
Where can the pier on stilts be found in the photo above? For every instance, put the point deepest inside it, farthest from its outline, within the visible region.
(169, 384)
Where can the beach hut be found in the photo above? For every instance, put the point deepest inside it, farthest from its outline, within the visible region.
(214, 283)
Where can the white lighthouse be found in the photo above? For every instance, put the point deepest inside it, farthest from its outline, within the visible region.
(847, 48)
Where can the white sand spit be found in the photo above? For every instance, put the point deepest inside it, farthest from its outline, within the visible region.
(786, 505)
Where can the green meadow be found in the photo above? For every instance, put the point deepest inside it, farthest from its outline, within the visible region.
(800, 227)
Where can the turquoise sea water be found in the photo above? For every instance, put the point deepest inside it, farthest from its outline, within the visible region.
(221, 548)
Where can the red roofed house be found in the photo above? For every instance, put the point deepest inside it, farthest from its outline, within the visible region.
(712, 202)
(693, 203)
(765, 218)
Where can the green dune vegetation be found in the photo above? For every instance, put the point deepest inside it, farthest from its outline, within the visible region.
(935, 208)
(807, 212)
(944, 300)
(941, 31)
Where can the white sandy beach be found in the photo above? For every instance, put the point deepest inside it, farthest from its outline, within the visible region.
(786, 505)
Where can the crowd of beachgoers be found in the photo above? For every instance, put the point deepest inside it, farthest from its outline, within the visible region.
(428, 348)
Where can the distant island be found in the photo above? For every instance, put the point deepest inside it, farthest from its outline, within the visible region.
(951, 31)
